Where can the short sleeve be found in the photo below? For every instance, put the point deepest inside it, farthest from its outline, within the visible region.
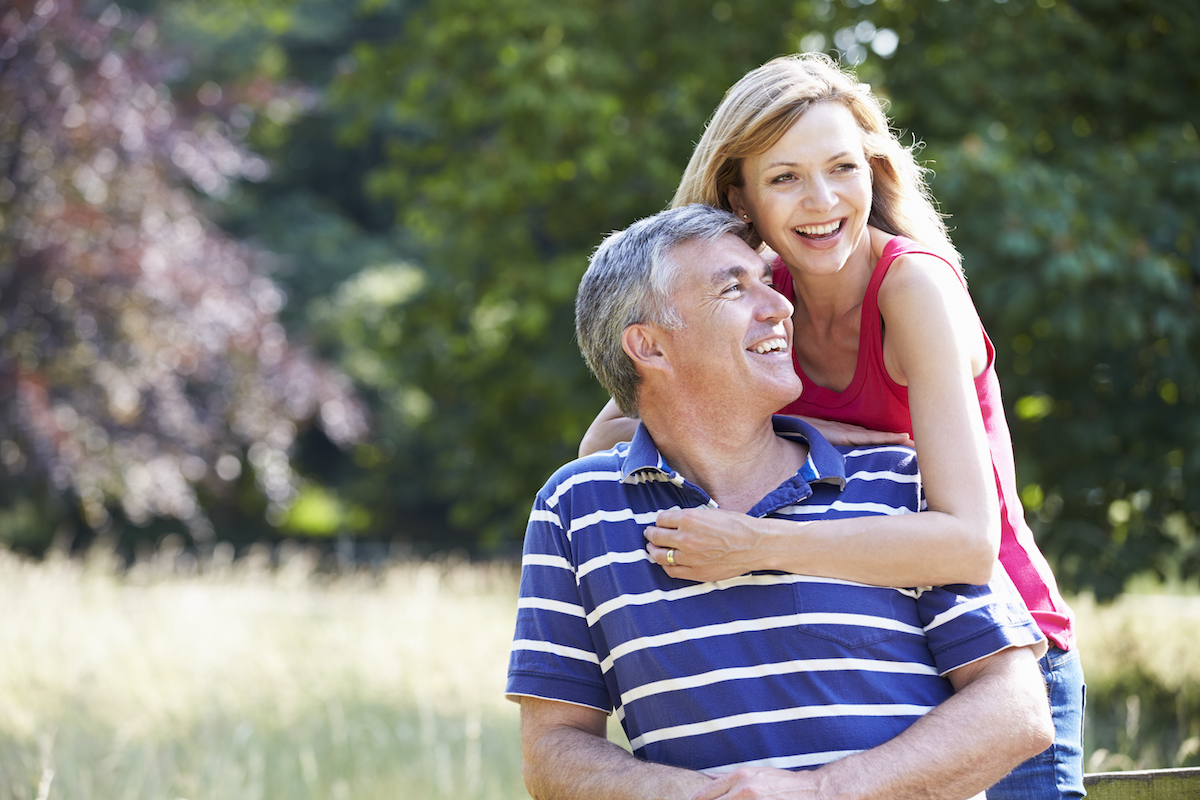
(964, 622)
(552, 656)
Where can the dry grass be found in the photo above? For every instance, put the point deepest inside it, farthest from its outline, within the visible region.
(1141, 659)
(243, 680)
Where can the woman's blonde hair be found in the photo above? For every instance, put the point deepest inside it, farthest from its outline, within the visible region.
(760, 108)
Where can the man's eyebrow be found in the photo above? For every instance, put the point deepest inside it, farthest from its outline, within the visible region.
(737, 271)
(726, 273)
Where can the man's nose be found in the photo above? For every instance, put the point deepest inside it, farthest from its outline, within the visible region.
(773, 305)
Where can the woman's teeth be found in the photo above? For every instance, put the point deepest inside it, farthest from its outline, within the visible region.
(817, 231)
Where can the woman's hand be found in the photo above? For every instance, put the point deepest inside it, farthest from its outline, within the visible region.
(843, 433)
(710, 544)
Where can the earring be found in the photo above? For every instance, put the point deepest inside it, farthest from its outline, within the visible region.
(745, 216)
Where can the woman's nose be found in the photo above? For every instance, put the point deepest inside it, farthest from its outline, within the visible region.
(820, 195)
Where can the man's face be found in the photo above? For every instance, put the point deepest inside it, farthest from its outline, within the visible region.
(736, 343)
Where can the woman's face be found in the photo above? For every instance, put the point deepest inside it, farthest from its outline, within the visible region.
(809, 196)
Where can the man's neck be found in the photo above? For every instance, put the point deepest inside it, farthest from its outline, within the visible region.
(737, 462)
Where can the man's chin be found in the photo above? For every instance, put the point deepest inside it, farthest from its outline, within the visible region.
(783, 394)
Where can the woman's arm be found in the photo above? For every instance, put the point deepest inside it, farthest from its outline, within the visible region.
(608, 428)
(611, 426)
(935, 346)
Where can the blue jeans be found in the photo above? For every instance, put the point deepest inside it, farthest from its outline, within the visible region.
(1057, 772)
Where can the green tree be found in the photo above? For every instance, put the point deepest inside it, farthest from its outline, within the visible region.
(1064, 145)
(1064, 138)
(439, 174)
(516, 134)
(335, 247)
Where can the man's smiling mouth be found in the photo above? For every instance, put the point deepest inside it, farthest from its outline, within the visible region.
(770, 346)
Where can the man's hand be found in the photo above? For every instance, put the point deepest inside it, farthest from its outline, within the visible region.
(750, 783)
(710, 544)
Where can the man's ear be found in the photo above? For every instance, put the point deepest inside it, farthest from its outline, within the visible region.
(643, 344)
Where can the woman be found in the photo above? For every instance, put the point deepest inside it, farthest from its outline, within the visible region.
(885, 337)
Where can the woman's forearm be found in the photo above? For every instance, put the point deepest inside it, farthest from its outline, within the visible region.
(927, 549)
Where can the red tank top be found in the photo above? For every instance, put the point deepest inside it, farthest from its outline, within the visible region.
(873, 400)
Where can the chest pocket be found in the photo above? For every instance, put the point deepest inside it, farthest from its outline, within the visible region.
(855, 616)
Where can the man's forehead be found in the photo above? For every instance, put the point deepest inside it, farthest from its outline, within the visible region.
(740, 269)
(720, 260)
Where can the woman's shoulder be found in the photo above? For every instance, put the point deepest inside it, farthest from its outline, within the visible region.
(925, 294)
(889, 247)
(910, 266)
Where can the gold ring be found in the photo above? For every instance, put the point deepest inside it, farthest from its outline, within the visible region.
(671, 557)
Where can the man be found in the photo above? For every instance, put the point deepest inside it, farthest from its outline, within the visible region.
(742, 686)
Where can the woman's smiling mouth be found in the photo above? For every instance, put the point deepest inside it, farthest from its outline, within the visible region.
(822, 231)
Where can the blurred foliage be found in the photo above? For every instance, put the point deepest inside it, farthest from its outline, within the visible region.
(1143, 682)
(1065, 141)
(142, 363)
(439, 172)
(515, 135)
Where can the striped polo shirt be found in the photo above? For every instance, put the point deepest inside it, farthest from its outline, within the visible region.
(768, 669)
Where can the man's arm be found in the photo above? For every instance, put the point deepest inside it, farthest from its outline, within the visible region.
(566, 755)
(998, 718)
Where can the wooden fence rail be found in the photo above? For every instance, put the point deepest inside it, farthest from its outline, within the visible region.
(1151, 784)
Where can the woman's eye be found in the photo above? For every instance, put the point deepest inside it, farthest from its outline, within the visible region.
(782, 178)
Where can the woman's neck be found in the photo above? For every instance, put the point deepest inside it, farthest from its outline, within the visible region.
(823, 301)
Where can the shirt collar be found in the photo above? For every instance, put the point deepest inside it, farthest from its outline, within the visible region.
(643, 463)
(825, 463)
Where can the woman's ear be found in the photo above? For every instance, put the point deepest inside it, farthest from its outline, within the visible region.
(643, 344)
(734, 195)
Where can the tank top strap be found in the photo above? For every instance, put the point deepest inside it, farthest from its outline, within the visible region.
(872, 322)
(903, 246)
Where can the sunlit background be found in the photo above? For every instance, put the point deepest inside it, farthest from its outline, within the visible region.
(286, 341)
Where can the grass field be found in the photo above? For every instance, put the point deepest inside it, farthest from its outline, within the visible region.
(240, 681)
(1141, 658)
(245, 682)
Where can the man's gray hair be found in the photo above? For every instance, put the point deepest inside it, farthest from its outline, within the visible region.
(629, 282)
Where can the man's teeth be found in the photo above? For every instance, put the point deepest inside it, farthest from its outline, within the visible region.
(771, 346)
(818, 230)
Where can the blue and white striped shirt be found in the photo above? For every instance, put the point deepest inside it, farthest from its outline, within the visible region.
(770, 669)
